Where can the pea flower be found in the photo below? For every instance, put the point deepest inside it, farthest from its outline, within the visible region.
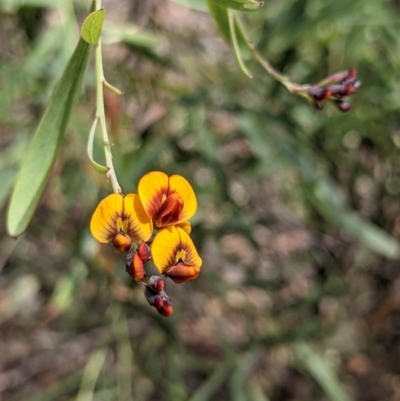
(121, 220)
(165, 204)
(175, 255)
(167, 200)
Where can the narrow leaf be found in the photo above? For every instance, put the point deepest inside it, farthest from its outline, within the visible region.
(233, 33)
(41, 154)
(326, 200)
(91, 374)
(130, 34)
(112, 88)
(240, 5)
(98, 167)
(92, 27)
(321, 371)
(236, 46)
(220, 16)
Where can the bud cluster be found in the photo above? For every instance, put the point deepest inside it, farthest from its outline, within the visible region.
(154, 287)
(335, 88)
(157, 297)
(135, 261)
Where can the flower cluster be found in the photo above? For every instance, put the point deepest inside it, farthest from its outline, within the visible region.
(152, 224)
(335, 88)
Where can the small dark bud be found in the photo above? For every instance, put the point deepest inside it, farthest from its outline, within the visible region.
(348, 89)
(167, 309)
(352, 73)
(343, 106)
(144, 252)
(158, 302)
(319, 94)
(156, 283)
(161, 301)
(135, 267)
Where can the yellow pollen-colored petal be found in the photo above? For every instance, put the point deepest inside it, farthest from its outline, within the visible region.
(179, 185)
(186, 226)
(153, 190)
(173, 245)
(103, 224)
(138, 224)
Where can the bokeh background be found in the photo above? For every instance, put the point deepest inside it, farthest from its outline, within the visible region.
(298, 219)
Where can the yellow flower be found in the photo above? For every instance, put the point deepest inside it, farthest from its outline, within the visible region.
(167, 200)
(175, 255)
(121, 220)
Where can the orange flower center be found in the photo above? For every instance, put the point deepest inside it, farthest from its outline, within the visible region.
(169, 211)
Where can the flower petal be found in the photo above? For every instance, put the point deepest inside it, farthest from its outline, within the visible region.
(181, 273)
(140, 226)
(186, 226)
(171, 246)
(179, 185)
(103, 224)
(163, 248)
(151, 189)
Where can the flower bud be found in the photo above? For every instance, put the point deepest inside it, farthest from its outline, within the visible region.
(143, 251)
(157, 302)
(343, 106)
(166, 309)
(160, 301)
(318, 93)
(135, 267)
(352, 73)
(156, 283)
(122, 242)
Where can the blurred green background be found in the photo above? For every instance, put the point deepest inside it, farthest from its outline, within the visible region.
(298, 219)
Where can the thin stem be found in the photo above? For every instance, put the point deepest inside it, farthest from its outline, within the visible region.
(283, 79)
(100, 113)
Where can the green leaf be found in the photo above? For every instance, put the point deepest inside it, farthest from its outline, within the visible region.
(98, 167)
(326, 200)
(240, 5)
(130, 34)
(321, 371)
(220, 16)
(92, 27)
(233, 28)
(41, 154)
(193, 4)
(233, 32)
(91, 374)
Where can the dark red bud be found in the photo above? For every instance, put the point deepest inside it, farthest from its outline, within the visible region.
(352, 73)
(135, 267)
(158, 302)
(348, 89)
(156, 283)
(144, 252)
(167, 309)
(343, 106)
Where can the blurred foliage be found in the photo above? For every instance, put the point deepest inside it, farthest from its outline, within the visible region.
(297, 225)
